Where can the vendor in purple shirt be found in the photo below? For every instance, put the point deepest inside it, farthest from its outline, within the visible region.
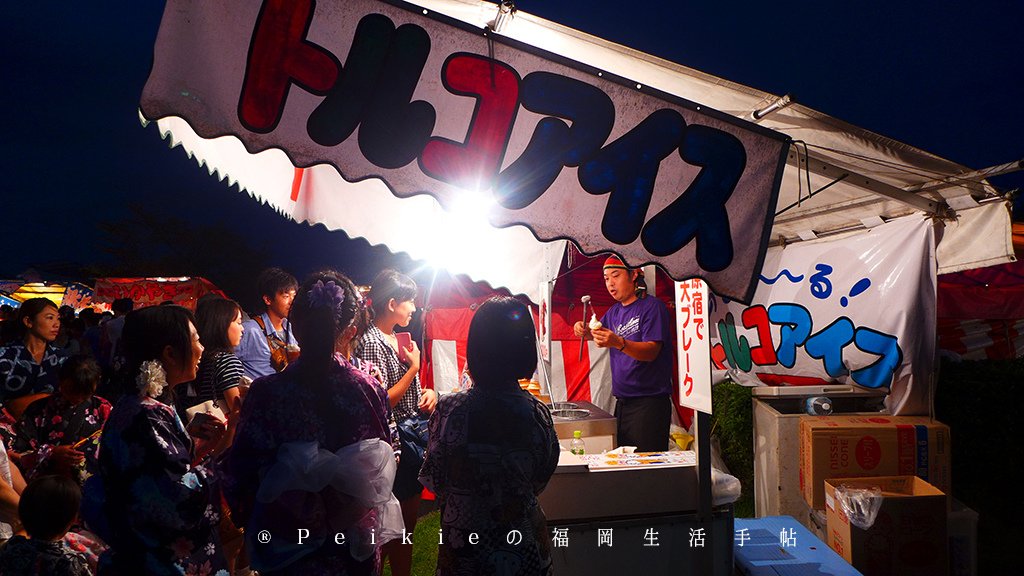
(638, 333)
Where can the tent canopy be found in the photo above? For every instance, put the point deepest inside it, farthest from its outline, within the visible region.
(836, 177)
(183, 291)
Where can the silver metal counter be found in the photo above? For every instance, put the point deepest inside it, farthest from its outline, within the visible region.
(597, 423)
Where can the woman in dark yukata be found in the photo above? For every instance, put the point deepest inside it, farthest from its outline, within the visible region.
(313, 452)
(154, 501)
(492, 450)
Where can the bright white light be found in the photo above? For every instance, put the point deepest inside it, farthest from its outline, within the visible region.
(457, 243)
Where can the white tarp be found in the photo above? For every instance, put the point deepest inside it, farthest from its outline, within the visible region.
(857, 162)
(860, 310)
(431, 106)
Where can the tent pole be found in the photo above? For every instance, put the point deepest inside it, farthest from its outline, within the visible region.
(702, 436)
(973, 177)
(816, 164)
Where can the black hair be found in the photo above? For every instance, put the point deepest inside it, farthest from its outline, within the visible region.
(213, 317)
(641, 285)
(362, 320)
(147, 331)
(123, 305)
(89, 316)
(502, 344)
(390, 284)
(274, 280)
(83, 374)
(31, 308)
(48, 506)
(316, 322)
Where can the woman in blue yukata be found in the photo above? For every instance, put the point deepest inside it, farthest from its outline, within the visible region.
(28, 366)
(312, 464)
(492, 450)
(153, 501)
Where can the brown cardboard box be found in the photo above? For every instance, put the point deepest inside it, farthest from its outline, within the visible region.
(877, 445)
(908, 538)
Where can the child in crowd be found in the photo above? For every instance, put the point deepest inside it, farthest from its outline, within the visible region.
(60, 434)
(48, 508)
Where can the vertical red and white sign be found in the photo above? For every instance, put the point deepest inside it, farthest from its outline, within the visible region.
(693, 345)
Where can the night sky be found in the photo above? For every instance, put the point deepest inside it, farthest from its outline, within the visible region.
(944, 77)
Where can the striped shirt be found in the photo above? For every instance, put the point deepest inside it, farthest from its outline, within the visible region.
(217, 373)
(375, 349)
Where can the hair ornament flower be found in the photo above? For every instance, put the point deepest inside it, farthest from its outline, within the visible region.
(328, 295)
(152, 379)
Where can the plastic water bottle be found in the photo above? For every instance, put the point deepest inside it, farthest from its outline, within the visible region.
(576, 446)
(818, 406)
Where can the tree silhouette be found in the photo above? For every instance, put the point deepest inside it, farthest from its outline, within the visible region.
(147, 243)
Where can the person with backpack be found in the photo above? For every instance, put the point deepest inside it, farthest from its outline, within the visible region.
(268, 344)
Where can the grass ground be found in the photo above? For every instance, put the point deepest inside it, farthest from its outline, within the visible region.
(424, 551)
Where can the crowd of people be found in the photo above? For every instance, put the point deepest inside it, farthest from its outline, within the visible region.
(295, 441)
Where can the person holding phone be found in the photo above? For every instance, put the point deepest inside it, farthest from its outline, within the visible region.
(392, 303)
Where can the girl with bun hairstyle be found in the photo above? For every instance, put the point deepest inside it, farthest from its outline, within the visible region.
(313, 450)
(154, 499)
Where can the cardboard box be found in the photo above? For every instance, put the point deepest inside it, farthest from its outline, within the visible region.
(908, 538)
(877, 445)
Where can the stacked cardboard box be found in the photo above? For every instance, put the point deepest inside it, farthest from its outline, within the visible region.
(907, 538)
(876, 445)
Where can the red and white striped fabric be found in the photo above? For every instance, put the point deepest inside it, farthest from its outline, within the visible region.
(572, 378)
(588, 379)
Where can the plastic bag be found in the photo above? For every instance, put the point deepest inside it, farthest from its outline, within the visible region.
(860, 504)
(725, 488)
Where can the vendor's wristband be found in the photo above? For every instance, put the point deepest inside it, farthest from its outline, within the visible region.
(623, 347)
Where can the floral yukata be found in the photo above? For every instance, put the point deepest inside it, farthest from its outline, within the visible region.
(52, 422)
(27, 557)
(491, 452)
(322, 414)
(158, 513)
